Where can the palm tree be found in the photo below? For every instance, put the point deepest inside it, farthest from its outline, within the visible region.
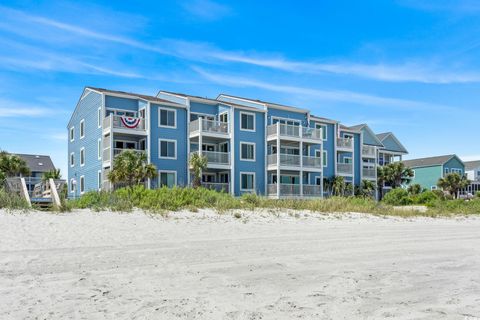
(367, 188)
(381, 179)
(338, 186)
(415, 189)
(52, 174)
(398, 174)
(453, 183)
(198, 163)
(12, 165)
(130, 168)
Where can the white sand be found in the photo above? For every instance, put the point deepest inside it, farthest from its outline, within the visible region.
(202, 265)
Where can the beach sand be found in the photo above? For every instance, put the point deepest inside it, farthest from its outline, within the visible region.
(264, 265)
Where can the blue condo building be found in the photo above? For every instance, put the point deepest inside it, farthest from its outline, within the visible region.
(252, 146)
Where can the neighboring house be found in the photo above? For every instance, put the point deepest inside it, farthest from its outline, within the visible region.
(38, 165)
(251, 145)
(392, 150)
(472, 170)
(427, 171)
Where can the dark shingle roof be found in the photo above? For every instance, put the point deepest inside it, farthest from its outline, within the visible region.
(37, 163)
(137, 95)
(472, 165)
(428, 162)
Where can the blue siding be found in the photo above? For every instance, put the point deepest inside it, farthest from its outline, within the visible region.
(391, 145)
(277, 113)
(196, 107)
(121, 103)
(454, 163)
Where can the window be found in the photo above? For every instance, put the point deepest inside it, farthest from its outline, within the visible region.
(167, 178)
(247, 121)
(247, 181)
(82, 157)
(247, 151)
(347, 160)
(82, 184)
(287, 122)
(447, 170)
(99, 177)
(325, 158)
(82, 129)
(318, 181)
(72, 159)
(72, 134)
(168, 149)
(72, 186)
(167, 118)
(433, 188)
(324, 130)
(99, 149)
(99, 117)
(223, 117)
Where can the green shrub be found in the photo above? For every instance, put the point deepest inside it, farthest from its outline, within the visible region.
(477, 194)
(11, 201)
(426, 198)
(397, 197)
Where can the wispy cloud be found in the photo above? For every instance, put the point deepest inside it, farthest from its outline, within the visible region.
(331, 95)
(470, 157)
(206, 9)
(11, 109)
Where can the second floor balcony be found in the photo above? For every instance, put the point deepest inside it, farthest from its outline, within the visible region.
(369, 173)
(295, 161)
(215, 159)
(345, 144)
(294, 132)
(369, 152)
(124, 124)
(345, 168)
(293, 190)
(209, 127)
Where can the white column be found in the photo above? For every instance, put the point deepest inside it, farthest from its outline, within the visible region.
(200, 140)
(301, 167)
(278, 159)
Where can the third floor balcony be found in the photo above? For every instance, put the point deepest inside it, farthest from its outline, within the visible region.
(345, 144)
(369, 152)
(294, 162)
(294, 132)
(123, 124)
(209, 127)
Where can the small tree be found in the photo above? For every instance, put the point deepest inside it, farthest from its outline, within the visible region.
(453, 183)
(338, 186)
(367, 189)
(415, 189)
(198, 163)
(52, 174)
(12, 165)
(397, 174)
(131, 168)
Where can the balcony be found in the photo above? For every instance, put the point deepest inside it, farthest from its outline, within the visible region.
(126, 125)
(345, 144)
(294, 190)
(369, 173)
(216, 159)
(369, 152)
(209, 127)
(294, 132)
(345, 168)
(117, 151)
(219, 187)
(295, 161)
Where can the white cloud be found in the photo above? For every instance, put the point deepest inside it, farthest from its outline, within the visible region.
(206, 9)
(470, 158)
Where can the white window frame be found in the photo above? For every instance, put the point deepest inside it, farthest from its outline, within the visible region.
(99, 178)
(254, 178)
(71, 187)
(80, 184)
(324, 157)
(167, 171)
(321, 125)
(99, 148)
(72, 134)
(174, 117)
(160, 149)
(99, 115)
(254, 151)
(223, 114)
(350, 159)
(446, 171)
(433, 188)
(254, 121)
(82, 125)
(318, 179)
(72, 156)
(84, 157)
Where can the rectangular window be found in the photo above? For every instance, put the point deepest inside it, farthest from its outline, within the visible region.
(99, 149)
(324, 130)
(318, 181)
(247, 181)
(223, 117)
(447, 171)
(325, 158)
(72, 159)
(72, 186)
(167, 178)
(167, 118)
(99, 117)
(247, 151)
(82, 157)
(99, 177)
(72, 134)
(82, 129)
(82, 184)
(247, 121)
(167, 149)
(347, 160)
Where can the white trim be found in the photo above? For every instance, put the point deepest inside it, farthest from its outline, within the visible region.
(84, 157)
(70, 135)
(80, 184)
(70, 159)
(124, 142)
(99, 148)
(133, 96)
(82, 122)
(254, 121)
(71, 186)
(174, 117)
(99, 115)
(254, 151)
(167, 171)
(99, 178)
(160, 149)
(254, 178)
(300, 124)
(324, 138)
(318, 178)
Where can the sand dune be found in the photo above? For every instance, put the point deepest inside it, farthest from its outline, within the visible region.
(202, 265)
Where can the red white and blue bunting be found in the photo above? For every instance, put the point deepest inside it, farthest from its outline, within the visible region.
(130, 122)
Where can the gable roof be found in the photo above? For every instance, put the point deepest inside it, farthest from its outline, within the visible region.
(37, 163)
(364, 126)
(135, 95)
(266, 103)
(472, 165)
(430, 161)
(385, 135)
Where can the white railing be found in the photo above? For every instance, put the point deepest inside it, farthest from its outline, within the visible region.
(344, 168)
(310, 190)
(117, 151)
(345, 143)
(312, 162)
(286, 130)
(216, 157)
(369, 173)
(368, 151)
(113, 121)
(294, 190)
(209, 126)
(291, 160)
(220, 187)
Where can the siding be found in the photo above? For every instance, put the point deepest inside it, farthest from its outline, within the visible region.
(427, 176)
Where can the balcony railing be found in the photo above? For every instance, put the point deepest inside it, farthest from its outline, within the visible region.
(209, 126)
(369, 173)
(291, 160)
(285, 130)
(289, 190)
(127, 123)
(118, 151)
(214, 157)
(344, 143)
(220, 187)
(344, 168)
(369, 151)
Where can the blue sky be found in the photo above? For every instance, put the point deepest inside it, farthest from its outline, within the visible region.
(407, 66)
